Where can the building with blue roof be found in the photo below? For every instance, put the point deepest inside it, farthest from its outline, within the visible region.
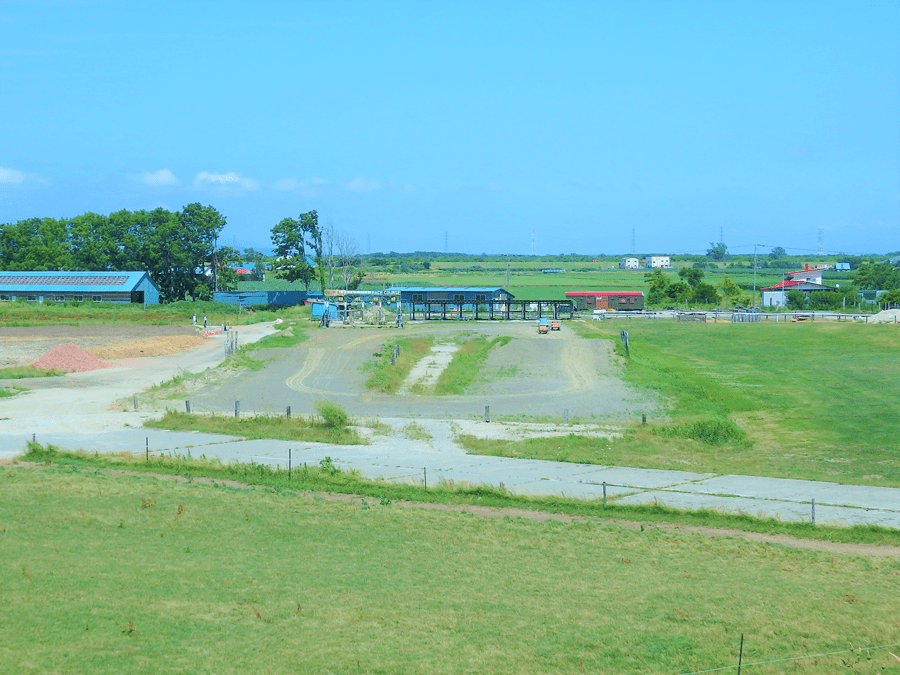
(91, 286)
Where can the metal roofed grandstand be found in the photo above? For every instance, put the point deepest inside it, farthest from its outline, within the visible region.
(458, 294)
(64, 286)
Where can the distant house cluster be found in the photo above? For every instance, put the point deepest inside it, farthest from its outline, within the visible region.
(655, 262)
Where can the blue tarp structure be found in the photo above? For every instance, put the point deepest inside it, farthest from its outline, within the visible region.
(318, 309)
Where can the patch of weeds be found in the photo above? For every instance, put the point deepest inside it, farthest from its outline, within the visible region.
(333, 415)
(416, 432)
(327, 466)
(24, 372)
(466, 366)
(377, 426)
(711, 431)
(386, 377)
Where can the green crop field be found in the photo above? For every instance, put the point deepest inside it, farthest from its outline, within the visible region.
(815, 400)
(132, 574)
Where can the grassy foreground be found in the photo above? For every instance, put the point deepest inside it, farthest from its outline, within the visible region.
(138, 575)
(809, 401)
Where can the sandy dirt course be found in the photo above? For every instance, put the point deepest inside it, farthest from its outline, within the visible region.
(22, 346)
(531, 378)
(136, 358)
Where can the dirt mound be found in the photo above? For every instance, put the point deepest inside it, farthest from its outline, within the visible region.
(886, 316)
(69, 357)
(161, 346)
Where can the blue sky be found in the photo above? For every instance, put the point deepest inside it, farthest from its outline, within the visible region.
(486, 125)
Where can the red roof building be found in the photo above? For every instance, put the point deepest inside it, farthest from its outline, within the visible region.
(806, 280)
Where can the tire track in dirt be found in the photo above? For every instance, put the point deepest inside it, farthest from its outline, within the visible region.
(314, 362)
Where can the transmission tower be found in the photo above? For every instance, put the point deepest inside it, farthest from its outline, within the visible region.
(446, 246)
(633, 249)
(721, 235)
(532, 242)
(821, 239)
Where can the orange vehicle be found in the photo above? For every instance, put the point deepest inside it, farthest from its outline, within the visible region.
(554, 325)
(543, 326)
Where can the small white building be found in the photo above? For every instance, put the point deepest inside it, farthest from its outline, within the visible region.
(629, 264)
(659, 262)
(810, 274)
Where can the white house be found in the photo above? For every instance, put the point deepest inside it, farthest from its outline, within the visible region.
(629, 263)
(659, 262)
(806, 280)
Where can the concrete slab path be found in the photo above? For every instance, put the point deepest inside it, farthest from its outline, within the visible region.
(438, 458)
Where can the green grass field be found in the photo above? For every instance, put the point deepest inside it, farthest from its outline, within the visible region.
(131, 574)
(817, 401)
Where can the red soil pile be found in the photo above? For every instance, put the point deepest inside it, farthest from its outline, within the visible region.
(69, 357)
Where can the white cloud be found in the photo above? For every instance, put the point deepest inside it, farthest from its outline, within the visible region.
(363, 185)
(230, 179)
(11, 176)
(161, 177)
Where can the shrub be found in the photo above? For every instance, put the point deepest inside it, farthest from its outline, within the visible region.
(711, 431)
(332, 414)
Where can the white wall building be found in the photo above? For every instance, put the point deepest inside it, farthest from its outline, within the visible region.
(629, 263)
(660, 262)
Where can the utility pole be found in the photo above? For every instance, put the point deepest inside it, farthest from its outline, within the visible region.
(754, 274)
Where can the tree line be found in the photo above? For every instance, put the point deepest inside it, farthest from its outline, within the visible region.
(179, 250)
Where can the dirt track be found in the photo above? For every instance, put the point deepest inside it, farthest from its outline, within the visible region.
(533, 376)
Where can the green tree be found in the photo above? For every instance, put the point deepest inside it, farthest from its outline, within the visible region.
(691, 276)
(678, 291)
(92, 242)
(198, 232)
(297, 242)
(825, 300)
(657, 283)
(34, 244)
(717, 252)
(777, 252)
(705, 293)
(891, 297)
(877, 277)
(796, 299)
(730, 290)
